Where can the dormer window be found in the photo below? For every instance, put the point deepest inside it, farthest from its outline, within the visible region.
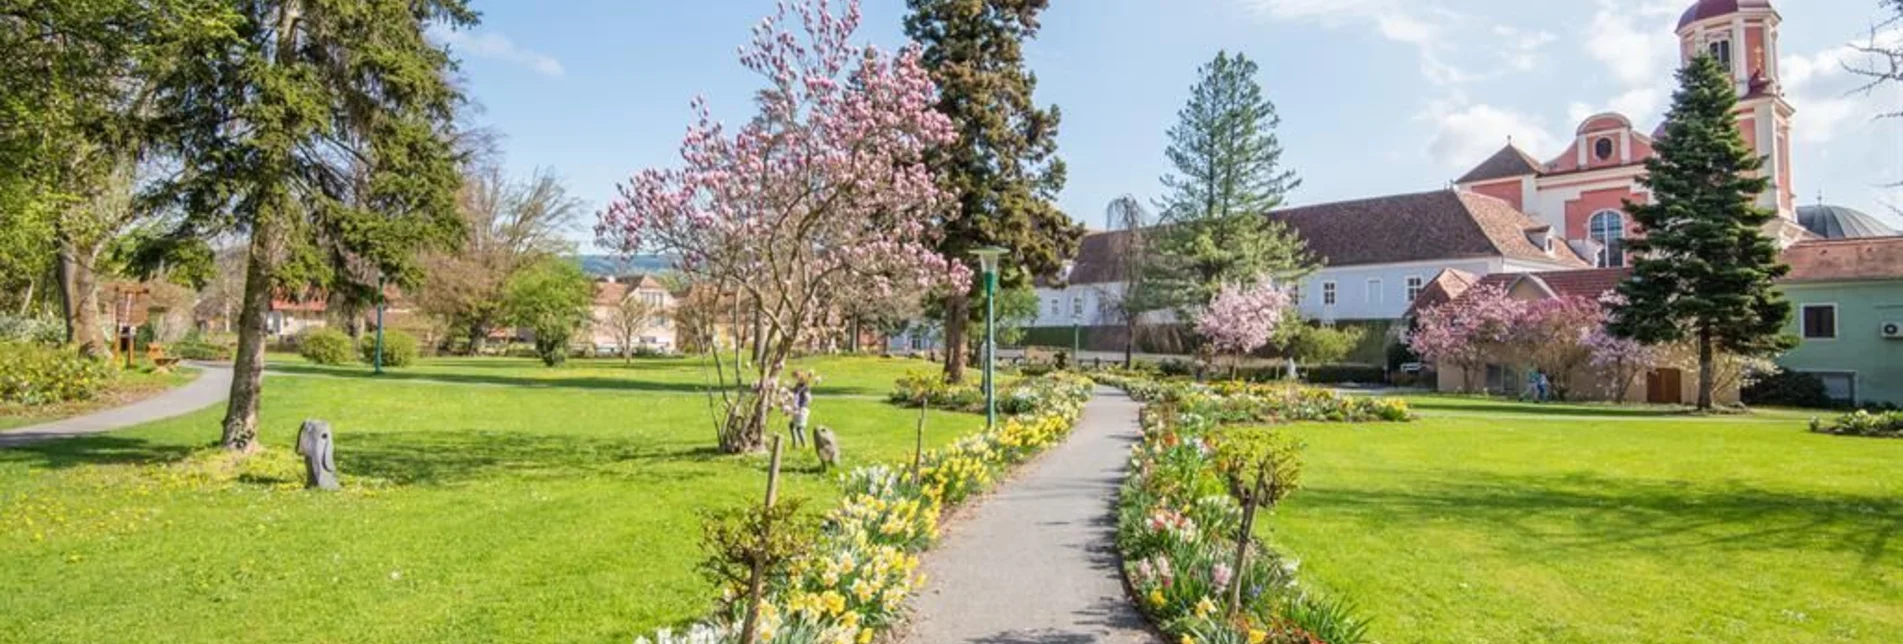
(1603, 148)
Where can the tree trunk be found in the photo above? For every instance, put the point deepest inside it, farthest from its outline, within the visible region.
(1705, 369)
(1242, 557)
(247, 371)
(957, 325)
(79, 301)
(1130, 344)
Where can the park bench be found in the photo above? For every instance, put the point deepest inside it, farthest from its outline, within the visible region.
(161, 362)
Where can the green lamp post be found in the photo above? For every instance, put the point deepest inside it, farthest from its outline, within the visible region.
(377, 363)
(988, 260)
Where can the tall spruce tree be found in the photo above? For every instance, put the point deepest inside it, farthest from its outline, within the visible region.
(1003, 171)
(1705, 268)
(272, 118)
(1228, 177)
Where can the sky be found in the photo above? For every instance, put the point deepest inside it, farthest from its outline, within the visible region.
(1377, 97)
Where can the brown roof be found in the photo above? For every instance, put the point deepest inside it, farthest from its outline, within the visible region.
(1443, 224)
(1844, 260)
(1509, 162)
(1446, 287)
(612, 293)
(1591, 283)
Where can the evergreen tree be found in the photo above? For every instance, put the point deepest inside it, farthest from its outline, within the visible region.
(273, 116)
(1002, 172)
(1705, 268)
(1229, 176)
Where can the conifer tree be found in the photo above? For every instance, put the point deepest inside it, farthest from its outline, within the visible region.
(1228, 177)
(272, 114)
(1704, 268)
(1002, 172)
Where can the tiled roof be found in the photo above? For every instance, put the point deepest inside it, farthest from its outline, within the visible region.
(1589, 283)
(1444, 224)
(1446, 287)
(1844, 260)
(1509, 162)
(611, 293)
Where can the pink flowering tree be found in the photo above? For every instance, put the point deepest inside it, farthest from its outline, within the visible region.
(1551, 335)
(1467, 333)
(1619, 361)
(1242, 319)
(819, 199)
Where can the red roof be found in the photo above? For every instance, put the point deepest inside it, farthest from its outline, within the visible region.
(1845, 260)
(1706, 9)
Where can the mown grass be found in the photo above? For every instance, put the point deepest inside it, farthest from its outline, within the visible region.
(131, 386)
(563, 511)
(1504, 522)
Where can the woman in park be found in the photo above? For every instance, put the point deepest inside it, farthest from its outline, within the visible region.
(802, 406)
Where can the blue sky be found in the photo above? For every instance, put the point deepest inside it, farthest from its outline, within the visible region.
(1377, 96)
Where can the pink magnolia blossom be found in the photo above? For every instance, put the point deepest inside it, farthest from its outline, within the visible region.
(821, 197)
(1465, 333)
(1241, 319)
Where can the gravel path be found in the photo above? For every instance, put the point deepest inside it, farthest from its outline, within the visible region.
(210, 388)
(1036, 562)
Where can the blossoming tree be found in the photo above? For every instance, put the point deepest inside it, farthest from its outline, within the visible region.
(819, 198)
(1242, 319)
(1468, 331)
(1551, 335)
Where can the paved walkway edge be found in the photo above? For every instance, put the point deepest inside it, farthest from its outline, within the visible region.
(209, 388)
(1036, 562)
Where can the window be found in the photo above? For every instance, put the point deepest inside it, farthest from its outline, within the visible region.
(652, 298)
(1328, 293)
(1820, 322)
(1603, 148)
(1608, 228)
(1077, 307)
(1721, 50)
(1414, 286)
(1295, 294)
(1056, 309)
(1374, 291)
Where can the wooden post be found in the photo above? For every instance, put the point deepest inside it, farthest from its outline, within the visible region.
(757, 585)
(1242, 544)
(918, 446)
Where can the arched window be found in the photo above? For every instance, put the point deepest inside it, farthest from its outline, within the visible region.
(1608, 228)
(1603, 149)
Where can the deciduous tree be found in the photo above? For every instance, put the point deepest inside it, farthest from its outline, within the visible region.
(552, 300)
(1705, 269)
(1467, 332)
(1242, 318)
(825, 187)
(508, 226)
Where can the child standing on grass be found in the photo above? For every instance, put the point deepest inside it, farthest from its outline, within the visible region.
(802, 407)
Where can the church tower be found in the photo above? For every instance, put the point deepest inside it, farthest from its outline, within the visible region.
(1743, 35)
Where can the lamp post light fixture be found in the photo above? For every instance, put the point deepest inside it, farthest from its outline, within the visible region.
(988, 261)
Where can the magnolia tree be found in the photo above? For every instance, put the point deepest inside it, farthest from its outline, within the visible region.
(1468, 332)
(819, 198)
(1242, 319)
(1551, 335)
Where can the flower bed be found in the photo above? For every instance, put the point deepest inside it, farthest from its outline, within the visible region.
(853, 583)
(1020, 397)
(1863, 423)
(1177, 522)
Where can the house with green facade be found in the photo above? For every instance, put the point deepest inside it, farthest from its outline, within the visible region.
(1848, 301)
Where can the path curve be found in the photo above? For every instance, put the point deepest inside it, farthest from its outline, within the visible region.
(1037, 561)
(209, 388)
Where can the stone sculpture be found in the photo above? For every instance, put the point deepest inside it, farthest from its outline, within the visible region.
(314, 444)
(827, 446)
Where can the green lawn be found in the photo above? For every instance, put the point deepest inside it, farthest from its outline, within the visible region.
(132, 386)
(1503, 522)
(565, 511)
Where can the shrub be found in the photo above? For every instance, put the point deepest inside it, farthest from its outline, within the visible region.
(36, 374)
(35, 330)
(324, 346)
(1786, 388)
(1862, 423)
(399, 349)
(1335, 374)
(200, 350)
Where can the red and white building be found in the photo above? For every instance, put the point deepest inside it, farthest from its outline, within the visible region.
(1581, 192)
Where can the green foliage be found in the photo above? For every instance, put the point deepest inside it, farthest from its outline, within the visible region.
(550, 299)
(1887, 424)
(31, 329)
(400, 349)
(1323, 345)
(325, 346)
(1786, 388)
(1704, 269)
(1261, 465)
(37, 374)
(731, 539)
(1228, 177)
(1002, 172)
(1016, 309)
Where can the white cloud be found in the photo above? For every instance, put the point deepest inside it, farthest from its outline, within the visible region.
(1432, 31)
(1522, 48)
(1826, 94)
(1466, 134)
(1630, 44)
(496, 46)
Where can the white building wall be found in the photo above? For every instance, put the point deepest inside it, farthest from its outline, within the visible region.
(1376, 291)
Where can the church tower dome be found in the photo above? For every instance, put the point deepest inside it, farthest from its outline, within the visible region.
(1743, 36)
(1708, 9)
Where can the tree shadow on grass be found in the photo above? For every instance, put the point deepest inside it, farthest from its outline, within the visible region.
(558, 382)
(99, 449)
(1589, 512)
(449, 457)
(1502, 407)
